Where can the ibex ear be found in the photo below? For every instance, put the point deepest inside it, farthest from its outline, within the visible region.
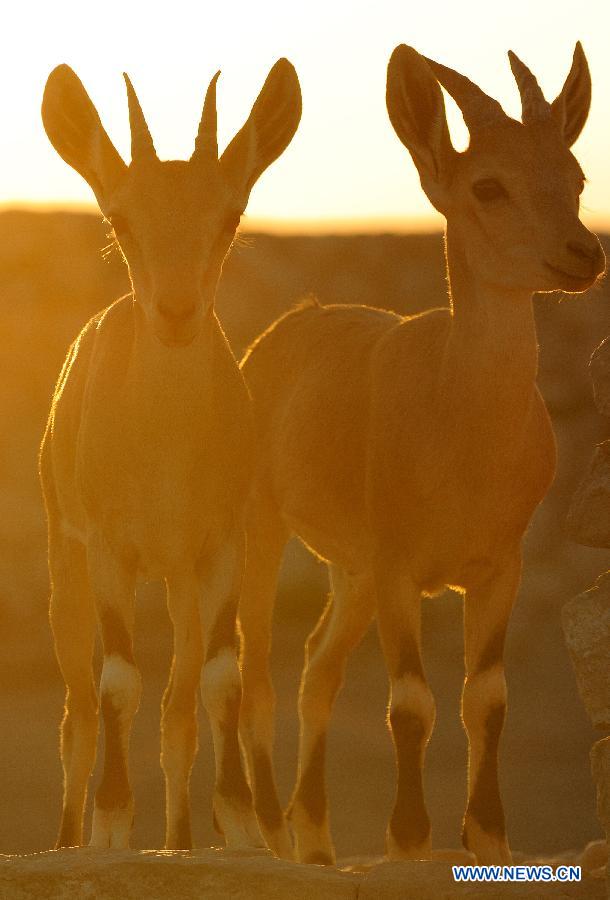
(268, 131)
(74, 128)
(571, 107)
(417, 112)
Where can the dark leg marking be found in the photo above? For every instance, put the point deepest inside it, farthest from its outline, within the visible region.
(116, 636)
(232, 783)
(409, 661)
(183, 832)
(311, 792)
(485, 805)
(114, 790)
(409, 824)
(492, 651)
(268, 806)
(217, 825)
(224, 631)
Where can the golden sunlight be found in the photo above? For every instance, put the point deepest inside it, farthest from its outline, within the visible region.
(341, 378)
(345, 166)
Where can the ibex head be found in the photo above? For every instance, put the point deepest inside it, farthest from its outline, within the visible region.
(174, 220)
(513, 195)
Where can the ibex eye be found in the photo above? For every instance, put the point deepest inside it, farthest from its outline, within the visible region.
(488, 189)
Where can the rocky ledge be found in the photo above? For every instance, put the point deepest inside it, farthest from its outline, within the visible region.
(87, 874)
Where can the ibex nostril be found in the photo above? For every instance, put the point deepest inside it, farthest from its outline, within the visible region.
(584, 251)
(176, 315)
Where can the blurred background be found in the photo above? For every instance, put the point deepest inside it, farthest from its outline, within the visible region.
(341, 215)
(345, 169)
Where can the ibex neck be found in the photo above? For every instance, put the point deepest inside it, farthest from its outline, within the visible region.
(493, 332)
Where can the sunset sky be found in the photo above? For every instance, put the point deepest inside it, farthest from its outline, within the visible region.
(345, 164)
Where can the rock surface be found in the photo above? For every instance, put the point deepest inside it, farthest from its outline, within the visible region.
(600, 374)
(434, 881)
(86, 874)
(588, 520)
(600, 769)
(595, 856)
(586, 625)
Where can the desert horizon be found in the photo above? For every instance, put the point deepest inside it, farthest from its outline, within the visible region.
(299, 227)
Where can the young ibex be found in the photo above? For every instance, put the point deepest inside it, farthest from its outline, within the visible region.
(410, 452)
(146, 460)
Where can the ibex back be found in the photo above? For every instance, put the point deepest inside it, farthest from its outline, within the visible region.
(146, 461)
(410, 452)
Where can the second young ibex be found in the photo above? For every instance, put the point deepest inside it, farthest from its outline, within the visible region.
(410, 452)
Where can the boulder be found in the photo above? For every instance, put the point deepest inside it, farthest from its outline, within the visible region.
(600, 769)
(600, 375)
(82, 873)
(586, 625)
(588, 520)
(594, 857)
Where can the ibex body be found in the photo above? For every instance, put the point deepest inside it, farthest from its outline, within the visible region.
(411, 452)
(146, 461)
